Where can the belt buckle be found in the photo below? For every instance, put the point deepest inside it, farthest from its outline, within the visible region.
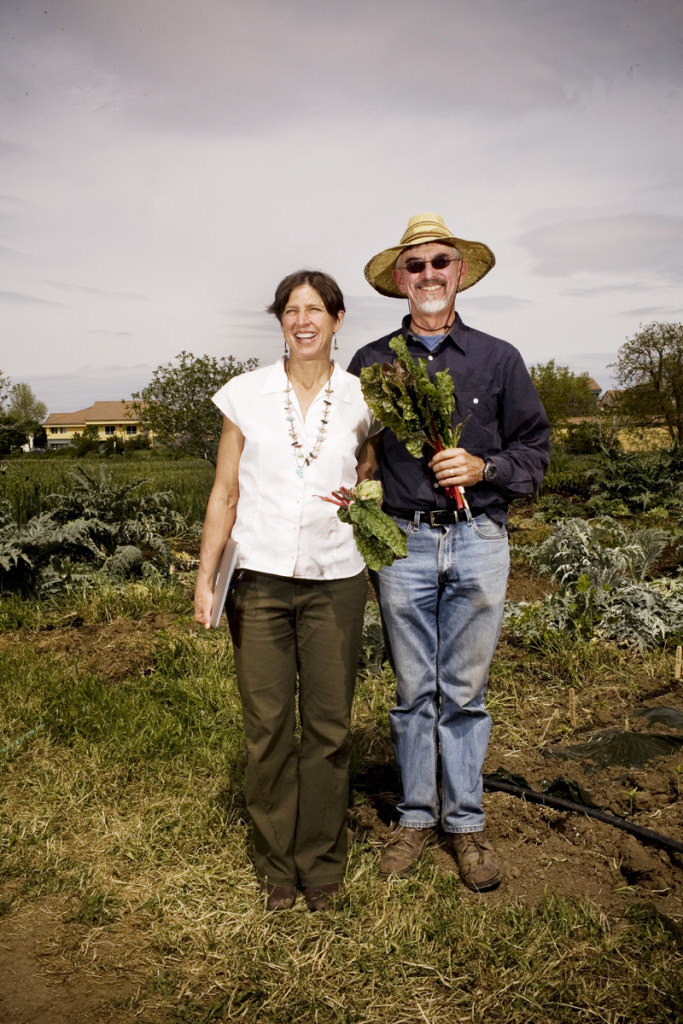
(435, 517)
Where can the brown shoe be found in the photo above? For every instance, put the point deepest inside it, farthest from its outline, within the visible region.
(318, 897)
(404, 849)
(278, 897)
(476, 860)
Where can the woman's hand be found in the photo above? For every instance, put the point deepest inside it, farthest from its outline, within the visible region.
(220, 517)
(454, 467)
(203, 603)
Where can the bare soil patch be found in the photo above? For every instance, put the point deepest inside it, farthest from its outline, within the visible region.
(526, 585)
(113, 649)
(50, 971)
(544, 850)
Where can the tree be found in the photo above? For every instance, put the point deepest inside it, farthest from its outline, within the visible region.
(26, 412)
(564, 394)
(86, 441)
(650, 367)
(12, 437)
(23, 415)
(5, 385)
(25, 409)
(176, 404)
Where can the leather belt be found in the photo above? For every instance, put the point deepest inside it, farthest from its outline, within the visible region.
(433, 516)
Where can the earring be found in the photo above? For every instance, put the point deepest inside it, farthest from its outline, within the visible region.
(285, 345)
(336, 346)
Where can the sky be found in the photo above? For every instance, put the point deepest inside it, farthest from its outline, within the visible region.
(164, 163)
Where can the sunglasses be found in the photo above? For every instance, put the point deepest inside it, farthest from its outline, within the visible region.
(440, 262)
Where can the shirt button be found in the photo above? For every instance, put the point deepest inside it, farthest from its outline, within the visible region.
(430, 358)
(475, 401)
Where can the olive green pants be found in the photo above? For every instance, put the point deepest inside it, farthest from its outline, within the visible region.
(297, 785)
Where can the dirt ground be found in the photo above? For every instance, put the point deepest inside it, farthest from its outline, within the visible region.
(545, 850)
(35, 987)
(542, 850)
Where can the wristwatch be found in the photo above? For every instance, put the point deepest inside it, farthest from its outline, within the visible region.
(490, 471)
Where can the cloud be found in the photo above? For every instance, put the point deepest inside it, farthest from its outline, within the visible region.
(101, 292)
(88, 384)
(596, 290)
(112, 334)
(595, 364)
(634, 244)
(15, 201)
(181, 158)
(10, 149)
(653, 312)
(6, 250)
(15, 298)
(219, 65)
(244, 314)
(499, 303)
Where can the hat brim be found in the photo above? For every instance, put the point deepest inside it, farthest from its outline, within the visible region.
(379, 270)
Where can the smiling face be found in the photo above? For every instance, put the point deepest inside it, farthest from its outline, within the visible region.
(307, 326)
(431, 292)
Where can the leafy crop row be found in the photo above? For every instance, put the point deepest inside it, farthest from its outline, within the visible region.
(604, 592)
(96, 525)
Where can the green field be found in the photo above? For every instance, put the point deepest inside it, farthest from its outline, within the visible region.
(27, 483)
(124, 842)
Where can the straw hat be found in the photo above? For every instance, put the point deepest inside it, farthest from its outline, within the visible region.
(422, 228)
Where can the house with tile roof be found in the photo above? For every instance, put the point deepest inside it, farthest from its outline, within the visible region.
(111, 419)
(596, 390)
(610, 399)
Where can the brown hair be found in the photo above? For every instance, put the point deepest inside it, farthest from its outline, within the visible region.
(326, 287)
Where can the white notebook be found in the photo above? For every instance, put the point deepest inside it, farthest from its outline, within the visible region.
(226, 568)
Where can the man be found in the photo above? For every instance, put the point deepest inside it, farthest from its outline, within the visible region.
(442, 606)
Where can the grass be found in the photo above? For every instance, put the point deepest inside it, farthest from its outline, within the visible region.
(122, 803)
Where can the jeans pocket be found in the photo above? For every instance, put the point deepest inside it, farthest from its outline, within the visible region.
(487, 529)
(407, 525)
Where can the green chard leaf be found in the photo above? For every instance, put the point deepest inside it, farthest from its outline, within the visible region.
(404, 398)
(374, 522)
(379, 540)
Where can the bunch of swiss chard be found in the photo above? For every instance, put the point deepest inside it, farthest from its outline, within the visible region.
(378, 538)
(417, 408)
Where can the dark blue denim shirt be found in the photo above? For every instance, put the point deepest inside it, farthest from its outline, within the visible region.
(507, 423)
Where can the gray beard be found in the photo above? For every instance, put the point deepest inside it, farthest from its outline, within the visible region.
(432, 305)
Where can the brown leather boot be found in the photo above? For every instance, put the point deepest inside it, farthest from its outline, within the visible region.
(404, 849)
(278, 897)
(476, 860)
(319, 897)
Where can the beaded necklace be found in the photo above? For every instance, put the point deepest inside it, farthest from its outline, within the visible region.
(301, 458)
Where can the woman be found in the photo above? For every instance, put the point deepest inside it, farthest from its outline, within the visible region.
(293, 431)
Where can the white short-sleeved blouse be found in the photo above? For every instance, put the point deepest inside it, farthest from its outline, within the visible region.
(282, 527)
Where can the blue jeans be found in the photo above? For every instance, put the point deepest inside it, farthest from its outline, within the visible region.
(442, 608)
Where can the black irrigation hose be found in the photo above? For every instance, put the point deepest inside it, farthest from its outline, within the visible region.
(560, 804)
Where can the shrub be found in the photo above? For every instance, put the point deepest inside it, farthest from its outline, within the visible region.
(641, 480)
(594, 436)
(602, 569)
(602, 549)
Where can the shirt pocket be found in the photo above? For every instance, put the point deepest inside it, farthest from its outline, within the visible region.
(480, 409)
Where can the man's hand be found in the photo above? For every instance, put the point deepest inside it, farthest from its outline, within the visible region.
(454, 467)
